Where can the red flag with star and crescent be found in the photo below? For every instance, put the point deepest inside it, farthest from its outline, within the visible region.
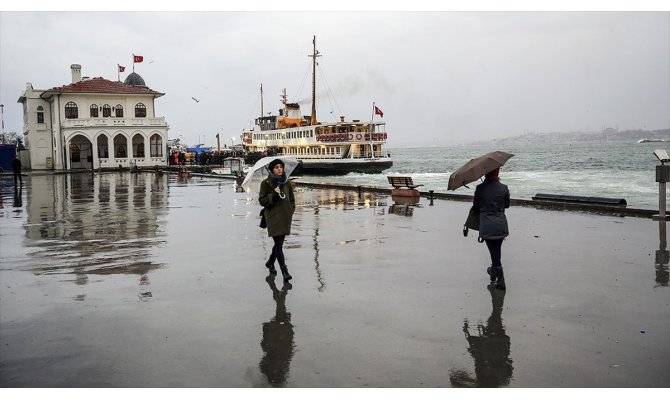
(379, 112)
(121, 68)
(137, 59)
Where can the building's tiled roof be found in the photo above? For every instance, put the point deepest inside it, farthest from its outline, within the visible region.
(101, 85)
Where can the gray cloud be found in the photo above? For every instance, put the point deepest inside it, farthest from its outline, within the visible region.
(439, 77)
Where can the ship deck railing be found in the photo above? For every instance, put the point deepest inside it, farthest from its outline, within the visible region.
(377, 154)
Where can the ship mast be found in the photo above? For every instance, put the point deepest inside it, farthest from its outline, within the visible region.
(314, 55)
(283, 102)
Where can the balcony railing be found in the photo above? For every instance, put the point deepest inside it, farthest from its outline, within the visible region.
(112, 122)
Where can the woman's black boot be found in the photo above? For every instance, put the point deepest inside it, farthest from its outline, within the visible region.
(270, 264)
(284, 271)
(500, 281)
(491, 273)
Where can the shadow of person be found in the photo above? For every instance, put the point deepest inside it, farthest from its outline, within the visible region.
(18, 198)
(490, 350)
(277, 343)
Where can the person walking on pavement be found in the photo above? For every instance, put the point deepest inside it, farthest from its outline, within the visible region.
(278, 201)
(491, 199)
(16, 167)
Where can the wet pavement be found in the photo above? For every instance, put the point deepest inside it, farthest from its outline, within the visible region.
(134, 280)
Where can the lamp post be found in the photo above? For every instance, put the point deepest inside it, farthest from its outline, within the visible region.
(662, 176)
(2, 118)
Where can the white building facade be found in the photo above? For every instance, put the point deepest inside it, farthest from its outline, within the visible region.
(94, 124)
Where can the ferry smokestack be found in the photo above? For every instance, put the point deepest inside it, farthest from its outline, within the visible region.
(341, 118)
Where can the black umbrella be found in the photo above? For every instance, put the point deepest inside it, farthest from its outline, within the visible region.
(476, 168)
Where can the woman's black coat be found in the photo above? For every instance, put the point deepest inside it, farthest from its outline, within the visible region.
(491, 199)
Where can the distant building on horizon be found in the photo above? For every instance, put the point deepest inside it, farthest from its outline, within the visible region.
(93, 123)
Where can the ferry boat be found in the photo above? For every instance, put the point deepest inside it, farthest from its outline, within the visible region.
(321, 148)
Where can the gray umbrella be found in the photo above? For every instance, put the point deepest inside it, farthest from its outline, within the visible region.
(476, 168)
(260, 171)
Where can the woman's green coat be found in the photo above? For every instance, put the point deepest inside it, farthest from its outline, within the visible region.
(278, 211)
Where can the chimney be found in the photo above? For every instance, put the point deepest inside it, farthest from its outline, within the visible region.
(76, 73)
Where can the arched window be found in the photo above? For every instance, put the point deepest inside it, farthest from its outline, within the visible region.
(40, 114)
(75, 154)
(71, 110)
(140, 110)
(106, 110)
(156, 146)
(94, 111)
(120, 145)
(118, 111)
(103, 147)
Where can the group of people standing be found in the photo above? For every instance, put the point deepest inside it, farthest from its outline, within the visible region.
(490, 201)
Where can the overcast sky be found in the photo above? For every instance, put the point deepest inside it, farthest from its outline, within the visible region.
(439, 77)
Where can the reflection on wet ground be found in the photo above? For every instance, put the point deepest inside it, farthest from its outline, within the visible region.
(662, 256)
(147, 280)
(277, 343)
(85, 224)
(490, 350)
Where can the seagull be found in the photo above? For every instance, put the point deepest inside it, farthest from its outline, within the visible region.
(196, 100)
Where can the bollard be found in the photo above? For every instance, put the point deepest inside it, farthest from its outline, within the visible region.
(430, 194)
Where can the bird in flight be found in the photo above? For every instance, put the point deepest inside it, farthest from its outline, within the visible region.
(196, 100)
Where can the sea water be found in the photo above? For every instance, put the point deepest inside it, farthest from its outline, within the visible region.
(615, 169)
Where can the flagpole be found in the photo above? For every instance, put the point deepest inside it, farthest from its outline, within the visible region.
(372, 150)
(118, 72)
(133, 62)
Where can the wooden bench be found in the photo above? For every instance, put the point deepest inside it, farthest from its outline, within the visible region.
(403, 186)
(402, 181)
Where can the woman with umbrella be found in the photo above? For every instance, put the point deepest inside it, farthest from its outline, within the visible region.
(491, 199)
(276, 196)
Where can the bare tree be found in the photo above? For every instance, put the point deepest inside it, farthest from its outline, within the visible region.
(11, 138)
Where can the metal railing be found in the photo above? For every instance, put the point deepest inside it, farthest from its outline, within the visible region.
(112, 122)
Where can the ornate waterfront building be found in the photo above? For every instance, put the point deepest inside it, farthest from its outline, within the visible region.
(93, 123)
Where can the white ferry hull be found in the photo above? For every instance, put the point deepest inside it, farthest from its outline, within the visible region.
(343, 166)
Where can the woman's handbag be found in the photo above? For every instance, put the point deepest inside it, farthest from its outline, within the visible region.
(472, 222)
(264, 223)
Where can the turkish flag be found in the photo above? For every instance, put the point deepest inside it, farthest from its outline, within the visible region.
(138, 59)
(121, 68)
(379, 112)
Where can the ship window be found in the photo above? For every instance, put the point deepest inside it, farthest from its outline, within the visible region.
(71, 110)
(106, 110)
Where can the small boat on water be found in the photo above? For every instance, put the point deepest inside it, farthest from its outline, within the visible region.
(321, 148)
(654, 140)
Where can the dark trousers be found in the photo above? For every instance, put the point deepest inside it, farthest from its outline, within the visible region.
(278, 250)
(17, 175)
(495, 247)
